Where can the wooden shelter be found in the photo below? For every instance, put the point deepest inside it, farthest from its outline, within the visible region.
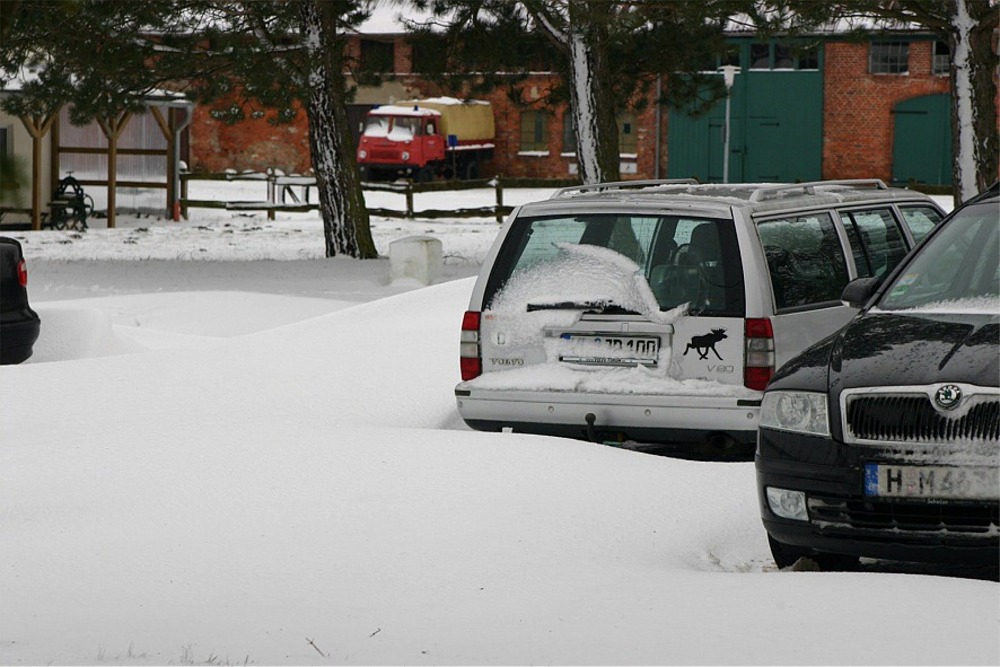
(132, 156)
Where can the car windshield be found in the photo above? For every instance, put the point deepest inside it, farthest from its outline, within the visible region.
(957, 270)
(685, 260)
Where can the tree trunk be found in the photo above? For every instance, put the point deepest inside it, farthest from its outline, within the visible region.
(974, 114)
(345, 217)
(596, 127)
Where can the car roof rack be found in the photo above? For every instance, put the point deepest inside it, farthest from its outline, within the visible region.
(771, 191)
(620, 185)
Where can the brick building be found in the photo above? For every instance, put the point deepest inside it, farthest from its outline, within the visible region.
(832, 108)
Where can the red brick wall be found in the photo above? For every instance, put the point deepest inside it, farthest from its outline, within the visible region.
(251, 144)
(857, 118)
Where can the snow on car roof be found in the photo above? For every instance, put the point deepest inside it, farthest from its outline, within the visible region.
(760, 197)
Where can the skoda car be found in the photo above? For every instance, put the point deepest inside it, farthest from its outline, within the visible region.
(19, 324)
(882, 440)
(651, 314)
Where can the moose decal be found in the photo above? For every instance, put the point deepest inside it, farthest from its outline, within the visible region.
(702, 344)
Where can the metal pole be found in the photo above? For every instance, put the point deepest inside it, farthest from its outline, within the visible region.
(659, 125)
(729, 77)
(725, 144)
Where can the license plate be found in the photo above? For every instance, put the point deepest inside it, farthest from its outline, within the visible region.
(603, 350)
(944, 482)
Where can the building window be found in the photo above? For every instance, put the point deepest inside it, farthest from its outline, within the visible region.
(942, 59)
(378, 56)
(5, 141)
(731, 56)
(783, 57)
(628, 142)
(760, 56)
(569, 133)
(808, 58)
(534, 131)
(889, 58)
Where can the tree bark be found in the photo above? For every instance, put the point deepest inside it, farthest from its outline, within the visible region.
(595, 123)
(974, 114)
(346, 228)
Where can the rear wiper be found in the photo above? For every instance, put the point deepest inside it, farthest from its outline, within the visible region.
(599, 307)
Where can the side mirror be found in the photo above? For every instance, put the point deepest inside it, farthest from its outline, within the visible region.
(857, 292)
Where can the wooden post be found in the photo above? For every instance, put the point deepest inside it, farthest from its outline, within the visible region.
(38, 127)
(184, 195)
(167, 128)
(409, 199)
(112, 128)
(271, 199)
(499, 188)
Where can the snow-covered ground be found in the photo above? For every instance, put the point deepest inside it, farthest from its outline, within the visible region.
(227, 449)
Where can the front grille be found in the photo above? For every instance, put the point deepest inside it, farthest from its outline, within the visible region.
(895, 415)
(384, 154)
(982, 519)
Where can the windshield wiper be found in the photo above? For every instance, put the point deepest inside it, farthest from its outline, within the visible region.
(598, 307)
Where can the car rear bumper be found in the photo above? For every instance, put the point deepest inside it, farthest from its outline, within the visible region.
(17, 337)
(641, 419)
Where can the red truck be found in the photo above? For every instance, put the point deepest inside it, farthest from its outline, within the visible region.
(424, 139)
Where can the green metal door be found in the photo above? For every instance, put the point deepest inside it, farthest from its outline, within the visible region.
(921, 145)
(776, 125)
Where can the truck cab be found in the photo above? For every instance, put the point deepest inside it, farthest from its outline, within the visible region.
(401, 141)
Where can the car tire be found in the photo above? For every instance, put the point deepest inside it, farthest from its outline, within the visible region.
(789, 556)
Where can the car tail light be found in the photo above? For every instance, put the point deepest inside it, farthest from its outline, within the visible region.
(470, 356)
(22, 273)
(759, 365)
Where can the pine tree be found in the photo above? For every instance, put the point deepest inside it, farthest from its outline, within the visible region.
(101, 57)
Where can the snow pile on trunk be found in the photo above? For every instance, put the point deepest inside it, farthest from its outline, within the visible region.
(584, 274)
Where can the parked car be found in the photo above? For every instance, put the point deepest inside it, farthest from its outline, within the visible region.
(19, 324)
(883, 440)
(655, 312)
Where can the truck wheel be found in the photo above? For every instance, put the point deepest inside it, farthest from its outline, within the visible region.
(471, 171)
(425, 175)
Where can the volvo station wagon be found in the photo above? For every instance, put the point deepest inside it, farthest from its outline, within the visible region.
(652, 313)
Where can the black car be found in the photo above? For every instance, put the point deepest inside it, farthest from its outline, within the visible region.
(19, 324)
(883, 440)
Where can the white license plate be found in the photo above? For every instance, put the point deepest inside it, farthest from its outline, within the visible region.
(600, 349)
(944, 482)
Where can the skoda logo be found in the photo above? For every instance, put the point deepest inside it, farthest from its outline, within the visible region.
(948, 396)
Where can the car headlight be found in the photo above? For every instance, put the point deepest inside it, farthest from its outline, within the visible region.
(362, 154)
(406, 156)
(798, 411)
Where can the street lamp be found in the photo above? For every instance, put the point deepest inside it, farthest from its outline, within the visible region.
(728, 76)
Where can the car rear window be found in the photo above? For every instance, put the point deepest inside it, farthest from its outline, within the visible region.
(684, 259)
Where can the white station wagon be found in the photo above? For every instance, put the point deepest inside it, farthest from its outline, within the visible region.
(652, 313)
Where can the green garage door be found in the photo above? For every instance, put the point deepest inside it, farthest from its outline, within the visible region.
(776, 121)
(921, 145)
